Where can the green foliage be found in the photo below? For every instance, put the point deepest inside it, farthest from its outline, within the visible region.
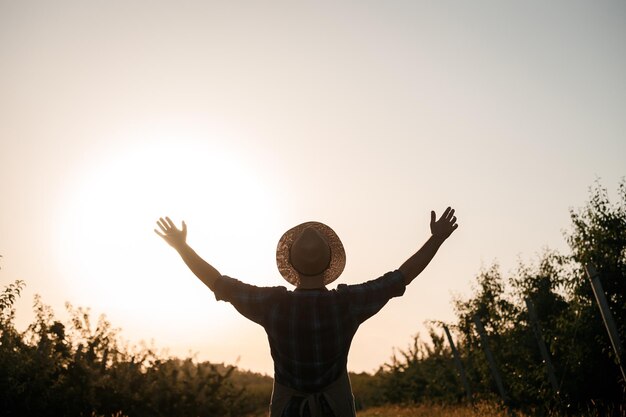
(258, 387)
(584, 362)
(9, 295)
(598, 238)
(367, 390)
(421, 371)
(82, 369)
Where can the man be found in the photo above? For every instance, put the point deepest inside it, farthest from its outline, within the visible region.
(310, 328)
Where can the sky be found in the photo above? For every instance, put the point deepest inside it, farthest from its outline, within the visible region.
(246, 118)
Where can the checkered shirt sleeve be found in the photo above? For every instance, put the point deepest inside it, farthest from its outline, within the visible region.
(368, 298)
(249, 300)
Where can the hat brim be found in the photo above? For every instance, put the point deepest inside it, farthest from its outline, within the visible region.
(337, 253)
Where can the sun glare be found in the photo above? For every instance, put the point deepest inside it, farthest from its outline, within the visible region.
(114, 262)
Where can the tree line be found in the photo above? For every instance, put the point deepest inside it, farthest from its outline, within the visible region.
(82, 368)
(585, 367)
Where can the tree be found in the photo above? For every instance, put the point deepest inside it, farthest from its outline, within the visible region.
(598, 238)
(569, 319)
(82, 369)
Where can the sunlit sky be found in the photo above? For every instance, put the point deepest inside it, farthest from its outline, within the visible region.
(246, 118)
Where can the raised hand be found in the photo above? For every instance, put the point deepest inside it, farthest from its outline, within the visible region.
(173, 236)
(445, 225)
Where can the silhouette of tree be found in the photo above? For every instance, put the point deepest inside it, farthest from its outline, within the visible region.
(82, 369)
(569, 319)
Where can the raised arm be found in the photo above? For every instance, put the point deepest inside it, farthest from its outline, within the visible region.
(441, 229)
(177, 239)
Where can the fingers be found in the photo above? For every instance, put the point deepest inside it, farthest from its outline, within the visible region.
(159, 233)
(433, 216)
(162, 225)
(448, 215)
(167, 226)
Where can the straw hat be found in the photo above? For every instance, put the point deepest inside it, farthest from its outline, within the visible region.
(310, 249)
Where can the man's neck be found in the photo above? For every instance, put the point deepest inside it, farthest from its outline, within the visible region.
(311, 282)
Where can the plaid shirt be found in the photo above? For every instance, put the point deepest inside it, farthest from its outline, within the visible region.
(310, 331)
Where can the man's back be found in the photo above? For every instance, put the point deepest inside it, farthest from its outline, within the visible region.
(310, 331)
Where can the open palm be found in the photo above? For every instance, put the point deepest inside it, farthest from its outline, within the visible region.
(170, 233)
(445, 225)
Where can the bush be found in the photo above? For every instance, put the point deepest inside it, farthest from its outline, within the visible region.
(78, 369)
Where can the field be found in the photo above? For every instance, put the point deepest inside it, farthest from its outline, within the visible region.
(483, 410)
(432, 410)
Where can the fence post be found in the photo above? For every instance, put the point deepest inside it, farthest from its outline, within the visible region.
(459, 364)
(607, 317)
(492, 363)
(542, 344)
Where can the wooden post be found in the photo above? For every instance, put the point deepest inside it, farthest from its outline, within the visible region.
(532, 315)
(459, 364)
(492, 362)
(607, 317)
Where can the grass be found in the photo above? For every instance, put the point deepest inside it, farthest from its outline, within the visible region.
(487, 409)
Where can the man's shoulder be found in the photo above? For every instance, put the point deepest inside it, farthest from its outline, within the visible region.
(234, 281)
(226, 285)
(391, 278)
